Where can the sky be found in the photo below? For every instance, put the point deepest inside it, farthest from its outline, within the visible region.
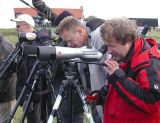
(100, 8)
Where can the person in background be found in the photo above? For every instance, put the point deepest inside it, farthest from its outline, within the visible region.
(49, 14)
(43, 8)
(94, 23)
(76, 35)
(7, 82)
(134, 74)
(25, 24)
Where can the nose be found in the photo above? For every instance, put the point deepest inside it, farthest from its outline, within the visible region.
(109, 56)
(109, 50)
(70, 44)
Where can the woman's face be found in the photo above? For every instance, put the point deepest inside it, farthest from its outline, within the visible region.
(117, 50)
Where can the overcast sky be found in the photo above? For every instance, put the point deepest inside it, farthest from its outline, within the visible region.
(100, 8)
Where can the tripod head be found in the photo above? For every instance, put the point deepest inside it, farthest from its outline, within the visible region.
(70, 69)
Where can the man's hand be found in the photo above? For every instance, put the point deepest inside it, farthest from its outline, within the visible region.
(112, 66)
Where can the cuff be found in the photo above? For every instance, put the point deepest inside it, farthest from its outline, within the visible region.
(117, 75)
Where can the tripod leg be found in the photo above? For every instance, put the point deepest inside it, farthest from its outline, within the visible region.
(85, 107)
(57, 102)
(22, 93)
(60, 118)
(28, 102)
(26, 108)
(70, 116)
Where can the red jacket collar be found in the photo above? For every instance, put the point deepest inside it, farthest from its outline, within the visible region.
(141, 55)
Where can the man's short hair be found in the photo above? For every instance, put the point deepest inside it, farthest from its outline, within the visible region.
(69, 23)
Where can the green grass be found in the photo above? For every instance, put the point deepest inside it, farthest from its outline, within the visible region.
(17, 115)
(11, 34)
(155, 35)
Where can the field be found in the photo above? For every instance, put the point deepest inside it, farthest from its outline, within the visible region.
(12, 35)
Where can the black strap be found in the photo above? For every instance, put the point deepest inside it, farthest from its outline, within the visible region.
(87, 76)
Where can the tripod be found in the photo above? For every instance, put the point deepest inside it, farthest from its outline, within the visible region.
(42, 73)
(71, 83)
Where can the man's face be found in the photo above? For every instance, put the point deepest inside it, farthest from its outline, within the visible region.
(117, 50)
(21, 27)
(74, 39)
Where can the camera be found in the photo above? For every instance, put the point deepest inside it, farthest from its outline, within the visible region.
(41, 35)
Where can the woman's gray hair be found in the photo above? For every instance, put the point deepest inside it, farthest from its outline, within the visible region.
(119, 29)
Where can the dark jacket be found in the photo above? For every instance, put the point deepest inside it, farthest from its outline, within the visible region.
(27, 57)
(43, 8)
(24, 66)
(134, 89)
(8, 80)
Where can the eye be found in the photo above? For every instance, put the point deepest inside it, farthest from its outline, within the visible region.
(70, 40)
(18, 26)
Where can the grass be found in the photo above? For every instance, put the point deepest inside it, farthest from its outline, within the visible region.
(155, 35)
(12, 35)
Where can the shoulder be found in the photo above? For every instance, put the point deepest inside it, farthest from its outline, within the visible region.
(5, 45)
(96, 39)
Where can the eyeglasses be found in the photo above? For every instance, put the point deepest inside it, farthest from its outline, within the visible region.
(18, 26)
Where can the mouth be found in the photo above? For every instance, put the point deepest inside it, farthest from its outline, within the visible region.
(73, 46)
(114, 56)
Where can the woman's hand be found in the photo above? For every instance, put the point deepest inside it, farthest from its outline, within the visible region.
(112, 66)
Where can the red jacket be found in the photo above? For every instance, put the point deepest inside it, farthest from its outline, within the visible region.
(134, 89)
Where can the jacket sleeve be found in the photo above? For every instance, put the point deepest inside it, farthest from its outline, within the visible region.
(42, 7)
(142, 92)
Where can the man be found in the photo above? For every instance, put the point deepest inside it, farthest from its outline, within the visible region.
(134, 74)
(75, 34)
(41, 6)
(26, 24)
(64, 109)
(7, 82)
